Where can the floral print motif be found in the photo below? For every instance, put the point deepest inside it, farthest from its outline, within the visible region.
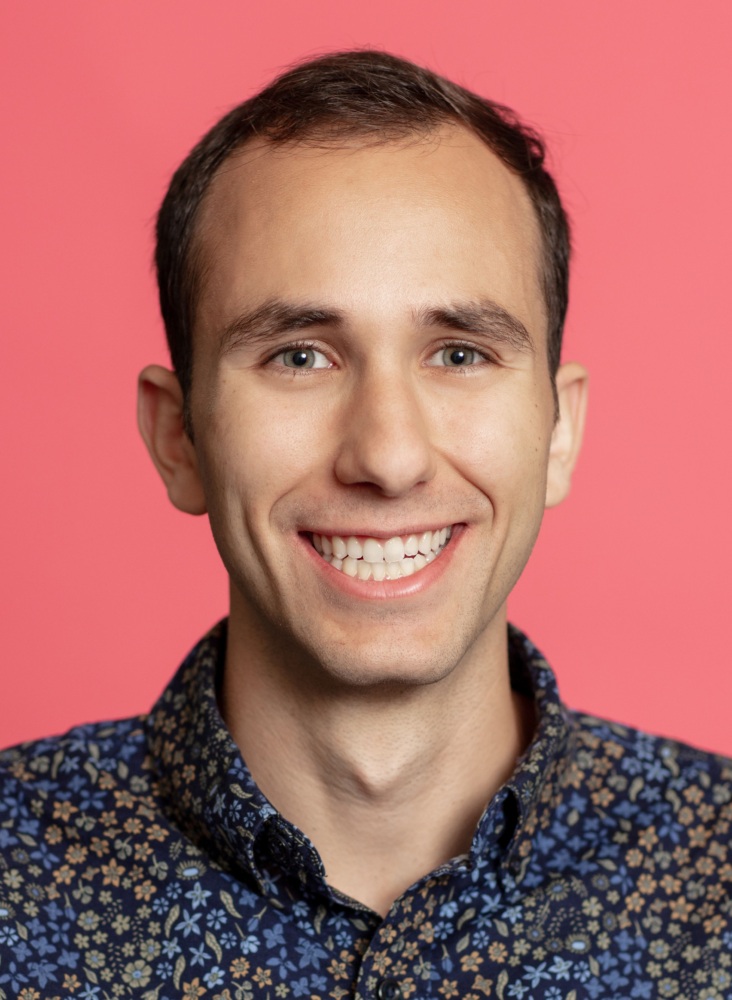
(139, 859)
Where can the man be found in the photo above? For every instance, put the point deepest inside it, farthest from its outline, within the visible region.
(363, 277)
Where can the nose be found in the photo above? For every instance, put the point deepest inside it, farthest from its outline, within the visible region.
(385, 440)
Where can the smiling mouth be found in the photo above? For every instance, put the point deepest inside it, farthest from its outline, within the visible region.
(381, 559)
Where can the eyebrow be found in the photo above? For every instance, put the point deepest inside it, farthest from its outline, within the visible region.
(277, 317)
(272, 319)
(485, 318)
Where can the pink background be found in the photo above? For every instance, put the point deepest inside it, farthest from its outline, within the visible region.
(105, 586)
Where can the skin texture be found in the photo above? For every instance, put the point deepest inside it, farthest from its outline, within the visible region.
(360, 708)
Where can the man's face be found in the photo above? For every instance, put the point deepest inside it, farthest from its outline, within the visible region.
(370, 364)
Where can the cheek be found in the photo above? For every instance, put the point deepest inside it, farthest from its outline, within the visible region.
(502, 450)
(255, 448)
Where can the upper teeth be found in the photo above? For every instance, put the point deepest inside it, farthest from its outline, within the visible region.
(375, 558)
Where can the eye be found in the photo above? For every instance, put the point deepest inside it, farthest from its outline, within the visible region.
(456, 356)
(302, 357)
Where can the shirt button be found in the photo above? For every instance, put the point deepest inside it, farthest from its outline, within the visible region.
(389, 989)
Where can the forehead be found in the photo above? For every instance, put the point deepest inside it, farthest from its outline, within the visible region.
(369, 226)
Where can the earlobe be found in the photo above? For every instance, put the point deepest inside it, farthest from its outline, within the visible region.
(160, 418)
(571, 383)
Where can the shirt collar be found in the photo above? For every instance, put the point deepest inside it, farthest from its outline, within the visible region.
(212, 798)
(507, 826)
(207, 789)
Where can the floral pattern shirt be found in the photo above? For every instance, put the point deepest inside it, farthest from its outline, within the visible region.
(139, 859)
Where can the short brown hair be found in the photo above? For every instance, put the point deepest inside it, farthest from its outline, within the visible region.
(339, 97)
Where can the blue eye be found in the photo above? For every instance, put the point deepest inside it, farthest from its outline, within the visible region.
(458, 357)
(302, 357)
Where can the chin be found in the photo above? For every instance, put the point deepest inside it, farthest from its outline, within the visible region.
(392, 668)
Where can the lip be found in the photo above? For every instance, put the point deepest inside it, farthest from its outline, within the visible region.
(383, 590)
(379, 532)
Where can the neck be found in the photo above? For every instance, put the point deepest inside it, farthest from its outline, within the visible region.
(388, 782)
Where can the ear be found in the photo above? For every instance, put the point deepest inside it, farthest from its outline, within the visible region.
(571, 385)
(161, 423)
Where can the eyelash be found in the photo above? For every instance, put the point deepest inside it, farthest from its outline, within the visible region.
(298, 345)
(483, 355)
(309, 345)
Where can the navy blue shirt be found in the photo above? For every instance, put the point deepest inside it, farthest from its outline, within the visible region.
(139, 858)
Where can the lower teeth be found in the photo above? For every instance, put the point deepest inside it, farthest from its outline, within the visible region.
(381, 571)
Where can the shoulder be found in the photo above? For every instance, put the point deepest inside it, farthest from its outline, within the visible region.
(652, 780)
(651, 754)
(84, 769)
